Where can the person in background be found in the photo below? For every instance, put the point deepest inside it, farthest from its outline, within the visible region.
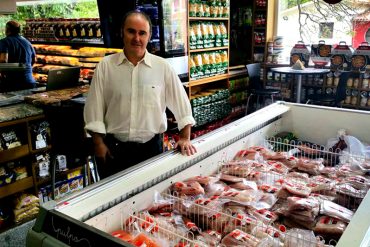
(125, 107)
(14, 48)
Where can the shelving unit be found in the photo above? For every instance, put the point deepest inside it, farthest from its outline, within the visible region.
(25, 151)
(259, 30)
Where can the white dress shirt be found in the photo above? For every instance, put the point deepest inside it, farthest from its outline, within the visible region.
(130, 101)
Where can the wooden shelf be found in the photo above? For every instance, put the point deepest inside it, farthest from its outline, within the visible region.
(208, 18)
(58, 175)
(14, 153)
(36, 151)
(17, 186)
(209, 49)
(208, 80)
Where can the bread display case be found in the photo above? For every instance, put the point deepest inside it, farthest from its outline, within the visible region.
(88, 218)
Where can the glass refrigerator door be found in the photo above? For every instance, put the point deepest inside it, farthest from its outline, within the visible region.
(175, 27)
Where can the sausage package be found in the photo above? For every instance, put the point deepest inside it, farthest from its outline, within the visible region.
(341, 57)
(361, 58)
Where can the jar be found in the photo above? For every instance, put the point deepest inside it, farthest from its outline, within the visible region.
(336, 81)
(350, 82)
(363, 101)
(354, 97)
(329, 81)
(356, 82)
(365, 83)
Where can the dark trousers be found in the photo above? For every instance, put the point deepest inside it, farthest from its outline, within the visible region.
(127, 154)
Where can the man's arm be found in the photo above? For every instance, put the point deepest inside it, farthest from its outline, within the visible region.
(3, 57)
(184, 143)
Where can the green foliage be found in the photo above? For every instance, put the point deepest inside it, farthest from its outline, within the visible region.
(60, 10)
(294, 3)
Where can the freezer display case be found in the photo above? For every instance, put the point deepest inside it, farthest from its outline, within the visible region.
(89, 217)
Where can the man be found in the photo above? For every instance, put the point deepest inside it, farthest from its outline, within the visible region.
(125, 107)
(16, 49)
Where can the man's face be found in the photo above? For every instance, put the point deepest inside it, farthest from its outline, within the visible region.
(136, 35)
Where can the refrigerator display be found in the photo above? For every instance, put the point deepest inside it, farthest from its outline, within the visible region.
(89, 217)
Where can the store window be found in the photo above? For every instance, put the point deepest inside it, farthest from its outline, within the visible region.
(313, 20)
(28, 9)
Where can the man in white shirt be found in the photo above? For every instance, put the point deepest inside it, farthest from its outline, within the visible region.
(127, 100)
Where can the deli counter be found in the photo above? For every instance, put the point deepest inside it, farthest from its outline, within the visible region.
(88, 217)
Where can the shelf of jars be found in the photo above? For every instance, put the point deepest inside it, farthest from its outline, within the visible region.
(85, 31)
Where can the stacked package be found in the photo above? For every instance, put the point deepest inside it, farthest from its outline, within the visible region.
(210, 105)
(26, 208)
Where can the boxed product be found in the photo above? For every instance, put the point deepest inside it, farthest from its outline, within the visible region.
(341, 57)
(300, 52)
(361, 58)
(320, 53)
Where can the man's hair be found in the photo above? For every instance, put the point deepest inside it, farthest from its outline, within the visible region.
(13, 28)
(135, 12)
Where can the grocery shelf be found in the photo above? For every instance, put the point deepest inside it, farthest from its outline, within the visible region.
(209, 49)
(14, 153)
(17, 186)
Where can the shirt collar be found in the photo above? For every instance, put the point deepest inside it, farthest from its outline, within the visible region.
(147, 59)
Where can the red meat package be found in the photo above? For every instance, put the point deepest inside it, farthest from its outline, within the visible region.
(327, 225)
(190, 188)
(334, 210)
(123, 235)
(239, 238)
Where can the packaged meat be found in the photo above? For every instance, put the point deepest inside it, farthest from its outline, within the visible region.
(191, 188)
(144, 240)
(123, 235)
(299, 237)
(297, 188)
(244, 197)
(215, 189)
(290, 162)
(203, 180)
(242, 221)
(236, 169)
(265, 215)
(327, 225)
(310, 166)
(298, 203)
(244, 185)
(278, 167)
(334, 210)
(248, 154)
(239, 238)
(230, 178)
(210, 237)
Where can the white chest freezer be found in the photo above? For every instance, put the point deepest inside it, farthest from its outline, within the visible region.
(87, 217)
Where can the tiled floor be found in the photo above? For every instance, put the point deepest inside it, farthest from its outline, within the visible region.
(16, 237)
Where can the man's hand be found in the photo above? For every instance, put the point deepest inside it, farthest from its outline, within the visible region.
(101, 150)
(184, 144)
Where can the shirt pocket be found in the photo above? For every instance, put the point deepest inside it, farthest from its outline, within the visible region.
(152, 95)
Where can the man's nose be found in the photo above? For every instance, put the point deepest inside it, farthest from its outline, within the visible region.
(137, 37)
